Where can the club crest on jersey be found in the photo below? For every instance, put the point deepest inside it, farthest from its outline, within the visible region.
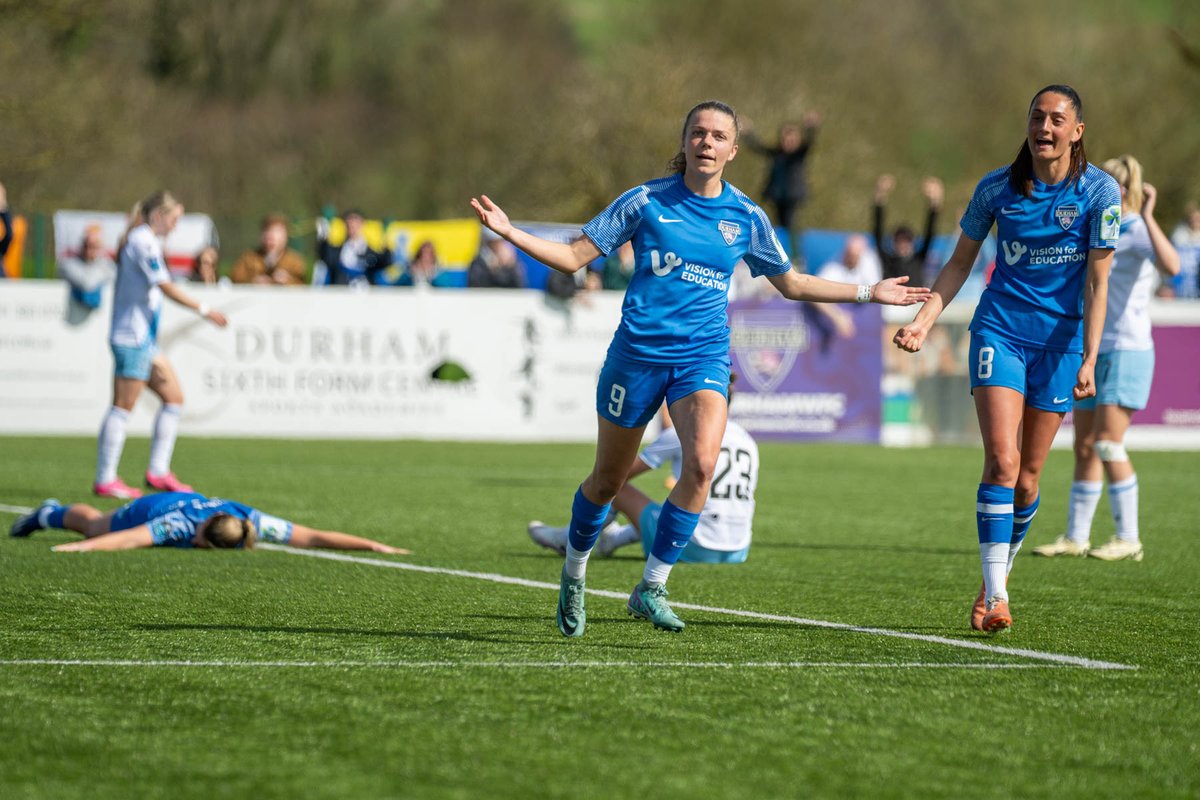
(765, 345)
(729, 231)
(1066, 215)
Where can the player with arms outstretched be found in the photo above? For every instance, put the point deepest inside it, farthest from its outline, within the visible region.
(1036, 331)
(180, 519)
(688, 230)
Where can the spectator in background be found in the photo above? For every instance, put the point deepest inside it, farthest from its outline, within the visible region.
(204, 268)
(903, 257)
(272, 263)
(87, 273)
(787, 181)
(855, 267)
(1186, 238)
(423, 270)
(618, 268)
(351, 263)
(496, 266)
(6, 235)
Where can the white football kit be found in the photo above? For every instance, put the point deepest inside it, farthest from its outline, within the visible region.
(728, 515)
(137, 300)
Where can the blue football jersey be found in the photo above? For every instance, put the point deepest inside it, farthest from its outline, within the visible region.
(1035, 297)
(174, 516)
(685, 249)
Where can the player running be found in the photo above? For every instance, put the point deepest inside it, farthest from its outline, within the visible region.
(688, 230)
(1036, 331)
(142, 281)
(725, 527)
(181, 519)
(1124, 370)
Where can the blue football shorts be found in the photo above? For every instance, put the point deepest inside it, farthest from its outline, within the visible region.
(1045, 377)
(134, 362)
(693, 553)
(629, 394)
(1123, 379)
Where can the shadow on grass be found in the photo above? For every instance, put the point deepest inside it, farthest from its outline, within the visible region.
(863, 548)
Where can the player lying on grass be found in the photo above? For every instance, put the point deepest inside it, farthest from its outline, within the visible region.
(725, 527)
(181, 519)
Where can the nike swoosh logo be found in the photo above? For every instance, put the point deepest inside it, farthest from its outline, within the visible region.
(1058, 400)
(715, 383)
(663, 219)
(1009, 211)
(991, 519)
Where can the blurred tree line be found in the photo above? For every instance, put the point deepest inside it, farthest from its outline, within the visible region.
(409, 107)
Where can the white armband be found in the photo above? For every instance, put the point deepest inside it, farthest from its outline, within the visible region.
(203, 310)
(865, 291)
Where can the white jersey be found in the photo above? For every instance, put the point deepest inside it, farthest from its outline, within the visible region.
(1130, 285)
(137, 300)
(728, 514)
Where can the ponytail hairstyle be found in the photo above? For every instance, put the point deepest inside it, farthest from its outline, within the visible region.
(678, 164)
(226, 532)
(1020, 175)
(162, 200)
(1128, 173)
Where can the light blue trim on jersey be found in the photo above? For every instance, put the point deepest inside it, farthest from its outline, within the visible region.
(685, 250)
(1035, 297)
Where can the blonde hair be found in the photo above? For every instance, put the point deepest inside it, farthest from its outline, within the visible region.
(225, 531)
(162, 200)
(1128, 173)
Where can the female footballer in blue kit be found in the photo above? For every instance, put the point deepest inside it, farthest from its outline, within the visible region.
(1036, 332)
(180, 519)
(688, 230)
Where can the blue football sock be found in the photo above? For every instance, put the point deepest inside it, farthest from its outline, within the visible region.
(994, 522)
(587, 519)
(56, 517)
(675, 529)
(1022, 519)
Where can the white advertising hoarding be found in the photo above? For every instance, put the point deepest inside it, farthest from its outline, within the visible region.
(328, 363)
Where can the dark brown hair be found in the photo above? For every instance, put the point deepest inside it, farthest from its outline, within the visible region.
(678, 164)
(226, 531)
(1020, 175)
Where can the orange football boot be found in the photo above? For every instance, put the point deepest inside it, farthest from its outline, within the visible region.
(997, 618)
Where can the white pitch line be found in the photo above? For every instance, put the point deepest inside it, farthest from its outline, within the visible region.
(1057, 658)
(83, 662)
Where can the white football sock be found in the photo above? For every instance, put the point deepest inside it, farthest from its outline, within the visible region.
(625, 534)
(993, 557)
(112, 442)
(1085, 496)
(576, 565)
(1013, 549)
(657, 570)
(162, 445)
(1123, 499)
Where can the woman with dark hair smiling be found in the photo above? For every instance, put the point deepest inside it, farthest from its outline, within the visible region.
(1036, 332)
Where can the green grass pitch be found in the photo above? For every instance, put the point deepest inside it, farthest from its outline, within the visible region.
(399, 683)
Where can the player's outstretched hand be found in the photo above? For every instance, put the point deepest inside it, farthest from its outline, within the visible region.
(380, 547)
(910, 337)
(217, 318)
(893, 292)
(1085, 382)
(491, 215)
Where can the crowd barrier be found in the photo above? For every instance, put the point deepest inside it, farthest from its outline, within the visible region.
(511, 365)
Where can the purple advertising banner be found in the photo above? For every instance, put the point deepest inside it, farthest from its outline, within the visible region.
(1175, 393)
(807, 374)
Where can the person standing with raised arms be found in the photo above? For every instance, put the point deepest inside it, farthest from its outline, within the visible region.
(1036, 332)
(688, 230)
